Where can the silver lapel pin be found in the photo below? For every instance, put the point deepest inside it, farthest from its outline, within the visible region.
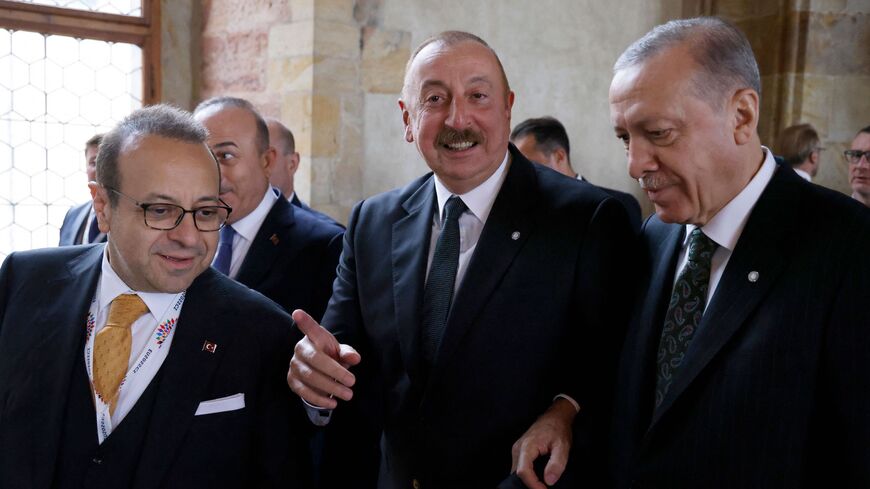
(753, 276)
(515, 235)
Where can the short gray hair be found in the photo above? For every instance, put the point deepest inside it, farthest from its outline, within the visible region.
(718, 47)
(157, 120)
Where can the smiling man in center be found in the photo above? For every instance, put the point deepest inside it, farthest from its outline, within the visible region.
(478, 299)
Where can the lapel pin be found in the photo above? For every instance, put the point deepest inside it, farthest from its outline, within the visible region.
(209, 346)
(274, 239)
(753, 276)
(515, 235)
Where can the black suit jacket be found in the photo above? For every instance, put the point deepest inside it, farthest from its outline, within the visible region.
(74, 224)
(775, 389)
(44, 300)
(632, 207)
(537, 314)
(292, 259)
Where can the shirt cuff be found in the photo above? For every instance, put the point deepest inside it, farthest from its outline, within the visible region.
(559, 396)
(317, 415)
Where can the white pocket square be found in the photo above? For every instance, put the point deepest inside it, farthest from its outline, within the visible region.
(222, 405)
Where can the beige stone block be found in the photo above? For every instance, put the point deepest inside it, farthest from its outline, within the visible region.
(335, 11)
(384, 55)
(850, 106)
(815, 93)
(234, 62)
(302, 10)
(325, 110)
(837, 44)
(296, 111)
(291, 74)
(302, 179)
(736, 10)
(840, 6)
(293, 39)
(332, 74)
(336, 39)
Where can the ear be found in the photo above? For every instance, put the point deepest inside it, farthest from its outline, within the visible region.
(814, 157)
(102, 207)
(294, 163)
(406, 120)
(268, 161)
(744, 110)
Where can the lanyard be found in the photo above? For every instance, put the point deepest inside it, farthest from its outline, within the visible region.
(140, 375)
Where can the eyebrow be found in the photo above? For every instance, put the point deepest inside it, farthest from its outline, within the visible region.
(225, 144)
(153, 196)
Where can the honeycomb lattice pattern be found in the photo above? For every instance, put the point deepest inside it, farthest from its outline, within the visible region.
(55, 93)
(121, 7)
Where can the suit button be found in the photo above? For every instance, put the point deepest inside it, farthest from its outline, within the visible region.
(97, 460)
(416, 484)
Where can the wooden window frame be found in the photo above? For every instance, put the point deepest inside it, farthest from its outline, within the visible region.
(142, 31)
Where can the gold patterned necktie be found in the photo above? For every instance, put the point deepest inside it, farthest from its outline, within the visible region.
(112, 347)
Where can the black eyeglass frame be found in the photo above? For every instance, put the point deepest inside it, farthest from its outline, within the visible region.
(145, 205)
(857, 154)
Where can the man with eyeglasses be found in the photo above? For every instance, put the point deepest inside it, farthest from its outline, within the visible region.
(286, 253)
(858, 158)
(135, 364)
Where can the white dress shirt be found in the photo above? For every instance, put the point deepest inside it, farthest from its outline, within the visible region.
(111, 286)
(247, 228)
(727, 225)
(479, 201)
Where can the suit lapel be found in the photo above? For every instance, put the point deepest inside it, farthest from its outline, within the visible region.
(410, 248)
(186, 376)
(506, 230)
(61, 326)
(643, 342)
(264, 250)
(761, 248)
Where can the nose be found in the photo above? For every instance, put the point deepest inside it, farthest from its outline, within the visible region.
(640, 158)
(865, 159)
(186, 232)
(457, 118)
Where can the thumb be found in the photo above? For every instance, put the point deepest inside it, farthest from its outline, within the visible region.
(317, 334)
(556, 464)
(348, 356)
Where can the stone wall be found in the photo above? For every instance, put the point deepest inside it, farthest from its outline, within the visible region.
(814, 57)
(332, 71)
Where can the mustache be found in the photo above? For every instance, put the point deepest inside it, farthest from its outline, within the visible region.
(652, 182)
(448, 135)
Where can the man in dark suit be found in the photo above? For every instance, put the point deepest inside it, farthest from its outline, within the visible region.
(80, 223)
(465, 304)
(134, 364)
(282, 251)
(283, 173)
(746, 362)
(544, 140)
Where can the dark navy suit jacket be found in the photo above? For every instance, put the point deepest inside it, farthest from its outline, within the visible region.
(292, 259)
(539, 312)
(44, 300)
(775, 389)
(74, 224)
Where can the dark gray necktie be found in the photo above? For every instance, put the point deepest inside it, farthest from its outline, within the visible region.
(685, 310)
(442, 276)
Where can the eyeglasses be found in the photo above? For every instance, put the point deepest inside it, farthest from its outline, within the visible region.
(854, 156)
(164, 217)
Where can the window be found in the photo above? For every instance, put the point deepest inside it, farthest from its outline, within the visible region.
(67, 72)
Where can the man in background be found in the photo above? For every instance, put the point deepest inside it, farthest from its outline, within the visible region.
(800, 148)
(286, 163)
(285, 252)
(544, 140)
(858, 158)
(80, 223)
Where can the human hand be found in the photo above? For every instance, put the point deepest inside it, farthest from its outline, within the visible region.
(319, 370)
(550, 434)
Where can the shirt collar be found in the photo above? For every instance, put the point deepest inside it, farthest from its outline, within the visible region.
(248, 226)
(479, 200)
(727, 225)
(112, 286)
